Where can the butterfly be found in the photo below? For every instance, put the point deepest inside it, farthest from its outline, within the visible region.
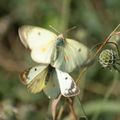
(48, 48)
(51, 81)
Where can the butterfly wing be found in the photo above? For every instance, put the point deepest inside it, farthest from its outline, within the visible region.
(67, 85)
(35, 78)
(40, 41)
(71, 55)
(52, 89)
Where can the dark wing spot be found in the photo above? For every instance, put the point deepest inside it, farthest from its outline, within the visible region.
(79, 49)
(66, 78)
(38, 33)
(35, 69)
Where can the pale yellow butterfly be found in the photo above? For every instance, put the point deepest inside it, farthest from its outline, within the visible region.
(46, 47)
(52, 81)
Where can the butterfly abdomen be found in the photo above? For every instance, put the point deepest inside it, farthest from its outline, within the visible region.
(50, 71)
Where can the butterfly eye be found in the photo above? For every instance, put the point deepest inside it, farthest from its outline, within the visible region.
(79, 49)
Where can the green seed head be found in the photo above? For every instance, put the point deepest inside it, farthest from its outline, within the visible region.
(107, 58)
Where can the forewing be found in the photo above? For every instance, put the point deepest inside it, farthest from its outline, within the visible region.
(40, 41)
(67, 85)
(35, 78)
(73, 54)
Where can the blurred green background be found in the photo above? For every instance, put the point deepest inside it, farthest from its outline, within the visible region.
(100, 88)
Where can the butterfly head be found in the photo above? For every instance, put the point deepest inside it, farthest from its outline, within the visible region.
(60, 40)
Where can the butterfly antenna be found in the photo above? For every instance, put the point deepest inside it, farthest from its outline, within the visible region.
(72, 28)
(54, 29)
(85, 116)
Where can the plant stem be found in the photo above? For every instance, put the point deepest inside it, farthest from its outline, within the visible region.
(65, 14)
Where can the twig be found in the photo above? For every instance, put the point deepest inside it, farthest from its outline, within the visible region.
(54, 106)
(72, 109)
(60, 112)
